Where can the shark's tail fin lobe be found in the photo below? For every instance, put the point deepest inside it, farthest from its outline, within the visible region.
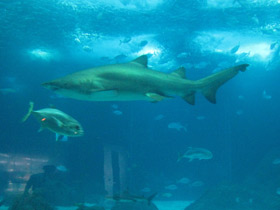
(150, 198)
(31, 105)
(209, 85)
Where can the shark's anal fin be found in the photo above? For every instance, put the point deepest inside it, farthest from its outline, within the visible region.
(210, 94)
(155, 97)
(190, 98)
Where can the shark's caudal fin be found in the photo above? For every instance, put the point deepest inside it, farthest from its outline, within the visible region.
(150, 198)
(31, 105)
(209, 85)
(180, 156)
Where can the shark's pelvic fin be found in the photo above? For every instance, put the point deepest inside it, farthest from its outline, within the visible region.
(142, 60)
(31, 105)
(156, 97)
(180, 72)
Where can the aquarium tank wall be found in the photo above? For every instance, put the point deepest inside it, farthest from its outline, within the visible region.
(140, 104)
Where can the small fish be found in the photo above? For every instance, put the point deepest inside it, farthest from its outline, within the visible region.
(239, 112)
(266, 96)
(117, 112)
(115, 106)
(127, 197)
(56, 121)
(237, 200)
(272, 46)
(201, 65)
(62, 168)
(77, 40)
(120, 57)
(276, 161)
(125, 40)
(87, 48)
(183, 55)
(171, 187)
(235, 49)
(278, 191)
(200, 117)
(167, 195)
(241, 97)
(159, 117)
(178, 126)
(143, 43)
(184, 180)
(197, 184)
(196, 153)
(6, 91)
(146, 189)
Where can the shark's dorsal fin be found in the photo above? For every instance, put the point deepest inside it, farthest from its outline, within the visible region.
(180, 72)
(142, 60)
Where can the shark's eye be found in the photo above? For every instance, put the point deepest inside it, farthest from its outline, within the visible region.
(43, 119)
(77, 127)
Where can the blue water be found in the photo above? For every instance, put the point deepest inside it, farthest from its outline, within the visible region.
(43, 40)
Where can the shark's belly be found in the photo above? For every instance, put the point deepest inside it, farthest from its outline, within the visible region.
(110, 95)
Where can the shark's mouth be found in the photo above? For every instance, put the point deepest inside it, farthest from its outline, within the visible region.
(50, 86)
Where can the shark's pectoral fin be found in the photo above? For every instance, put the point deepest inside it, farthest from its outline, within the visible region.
(210, 94)
(155, 97)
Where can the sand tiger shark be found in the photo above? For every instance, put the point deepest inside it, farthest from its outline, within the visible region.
(135, 81)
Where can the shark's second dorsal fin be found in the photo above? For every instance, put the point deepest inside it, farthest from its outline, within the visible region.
(142, 60)
(180, 72)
